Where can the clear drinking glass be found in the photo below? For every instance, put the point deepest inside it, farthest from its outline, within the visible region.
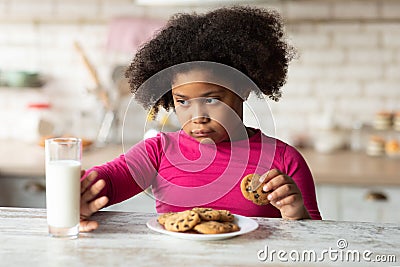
(63, 172)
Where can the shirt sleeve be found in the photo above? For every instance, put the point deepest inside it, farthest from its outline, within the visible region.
(130, 173)
(297, 168)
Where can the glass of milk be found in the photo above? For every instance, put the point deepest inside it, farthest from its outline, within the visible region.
(63, 173)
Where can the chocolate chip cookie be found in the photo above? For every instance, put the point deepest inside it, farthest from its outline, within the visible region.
(163, 217)
(182, 221)
(226, 216)
(213, 227)
(258, 196)
(208, 214)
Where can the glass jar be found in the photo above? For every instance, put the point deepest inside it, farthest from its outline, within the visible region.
(41, 122)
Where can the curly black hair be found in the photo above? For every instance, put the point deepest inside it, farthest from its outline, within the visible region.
(248, 39)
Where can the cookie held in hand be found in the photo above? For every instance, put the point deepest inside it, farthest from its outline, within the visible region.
(258, 196)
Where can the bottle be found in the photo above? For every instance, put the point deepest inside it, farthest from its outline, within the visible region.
(41, 122)
(357, 139)
(328, 136)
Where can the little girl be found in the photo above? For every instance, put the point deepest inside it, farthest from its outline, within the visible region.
(204, 67)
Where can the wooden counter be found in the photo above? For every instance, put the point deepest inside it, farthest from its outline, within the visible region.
(352, 168)
(124, 240)
(22, 159)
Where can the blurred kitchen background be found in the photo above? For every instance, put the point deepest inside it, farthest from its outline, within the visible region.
(61, 73)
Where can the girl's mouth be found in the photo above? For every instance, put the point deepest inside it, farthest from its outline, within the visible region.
(201, 133)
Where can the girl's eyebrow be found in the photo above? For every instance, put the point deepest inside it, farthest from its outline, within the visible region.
(179, 95)
(202, 95)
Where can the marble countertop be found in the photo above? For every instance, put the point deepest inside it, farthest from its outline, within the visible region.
(124, 240)
(341, 167)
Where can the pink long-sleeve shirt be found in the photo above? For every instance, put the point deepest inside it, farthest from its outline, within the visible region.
(184, 173)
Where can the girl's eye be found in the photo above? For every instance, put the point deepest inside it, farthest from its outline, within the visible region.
(211, 101)
(183, 102)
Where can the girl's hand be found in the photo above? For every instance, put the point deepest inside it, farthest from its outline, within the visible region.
(89, 203)
(285, 196)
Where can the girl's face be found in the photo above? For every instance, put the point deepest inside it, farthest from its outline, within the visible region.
(207, 111)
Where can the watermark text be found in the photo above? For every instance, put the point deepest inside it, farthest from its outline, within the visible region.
(340, 253)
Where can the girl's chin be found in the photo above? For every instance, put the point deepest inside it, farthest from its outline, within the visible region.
(207, 141)
(210, 140)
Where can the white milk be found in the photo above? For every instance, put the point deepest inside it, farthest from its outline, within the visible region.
(63, 192)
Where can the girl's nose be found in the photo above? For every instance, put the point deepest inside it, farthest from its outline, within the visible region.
(199, 113)
(200, 119)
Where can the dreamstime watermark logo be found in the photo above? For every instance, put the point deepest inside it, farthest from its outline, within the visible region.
(339, 254)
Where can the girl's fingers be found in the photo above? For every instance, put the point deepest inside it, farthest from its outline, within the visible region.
(87, 226)
(282, 191)
(290, 208)
(285, 196)
(276, 181)
(85, 183)
(269, 175)
(89, 190)
(287, 200)
(87, 209)
(98, 204)
(93, 191)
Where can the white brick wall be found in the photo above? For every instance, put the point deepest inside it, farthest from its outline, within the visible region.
(390, 9)
(307, 9)
(355, 39)
(349, 56)
(29, 8)
(358, 9)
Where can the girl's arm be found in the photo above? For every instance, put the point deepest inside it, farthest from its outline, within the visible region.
(299, 171)
(118, 180)
(293, 191)
(119, 183)
(130, 173)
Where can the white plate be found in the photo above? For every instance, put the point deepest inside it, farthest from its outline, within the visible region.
(246, 225)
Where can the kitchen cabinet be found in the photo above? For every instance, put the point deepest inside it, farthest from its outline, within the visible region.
(348, 184)
(359, 203)
(29, 192)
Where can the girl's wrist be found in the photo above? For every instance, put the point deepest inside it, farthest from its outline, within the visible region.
(306, 215)
(302, 215)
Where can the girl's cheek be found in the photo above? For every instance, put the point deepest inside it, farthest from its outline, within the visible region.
(183, 116)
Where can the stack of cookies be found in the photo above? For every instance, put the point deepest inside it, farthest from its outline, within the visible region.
(199, 220)
(383, 120)
(376, 146)
(396, 121)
